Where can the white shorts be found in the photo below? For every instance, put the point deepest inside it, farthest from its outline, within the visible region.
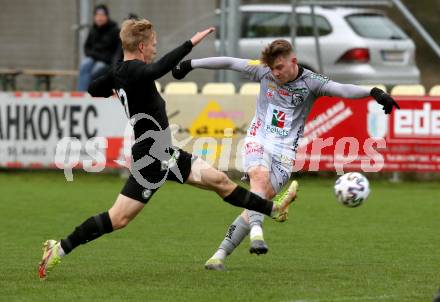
(279, 167)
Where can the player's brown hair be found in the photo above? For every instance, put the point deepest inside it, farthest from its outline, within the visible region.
(274, 50)
(134, 32)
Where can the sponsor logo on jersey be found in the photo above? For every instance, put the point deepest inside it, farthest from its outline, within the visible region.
(254, 127)
(276, 130)
(298, 90)
(270, 93)
(319, 77)
(297, 99)
(284, 92)
(298, 94)
(253, 148)
(278, 118)
(277, 123)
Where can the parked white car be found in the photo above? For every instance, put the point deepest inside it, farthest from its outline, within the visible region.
(360, 46)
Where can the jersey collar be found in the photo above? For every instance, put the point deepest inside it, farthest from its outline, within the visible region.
(300, 72)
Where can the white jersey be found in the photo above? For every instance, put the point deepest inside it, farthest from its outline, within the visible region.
(278, 125)
(282, 110)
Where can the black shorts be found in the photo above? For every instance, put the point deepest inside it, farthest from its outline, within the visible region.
(143, 184)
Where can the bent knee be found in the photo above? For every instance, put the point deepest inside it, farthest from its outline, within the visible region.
(119, 221)
(260, 183)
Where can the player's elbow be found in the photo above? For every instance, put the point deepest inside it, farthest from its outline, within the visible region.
(93, 91)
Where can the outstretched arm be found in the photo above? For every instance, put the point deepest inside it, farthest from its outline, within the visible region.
(346, 91)
(184, 67)
(170, 60)
(356, 92)
(250, 69)
(167, 62)
(220, 63)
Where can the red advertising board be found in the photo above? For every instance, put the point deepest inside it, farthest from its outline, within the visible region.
(358, 135)
(340, 134)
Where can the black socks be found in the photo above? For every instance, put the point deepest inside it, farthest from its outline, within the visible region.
(89, 230)
(241, 197)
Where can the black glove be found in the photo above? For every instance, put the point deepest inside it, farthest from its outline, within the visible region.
(384, 99)
(182, 69)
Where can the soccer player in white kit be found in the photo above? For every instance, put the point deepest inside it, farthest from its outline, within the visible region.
(287, 94)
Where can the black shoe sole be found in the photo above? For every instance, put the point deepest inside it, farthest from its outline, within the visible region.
(261, 250)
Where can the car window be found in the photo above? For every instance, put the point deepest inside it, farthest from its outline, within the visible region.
(265, 24)
(305, 28)
(276, 24)
(375, 26)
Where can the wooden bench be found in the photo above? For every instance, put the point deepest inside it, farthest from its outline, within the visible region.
(44, 76)
(8, 78)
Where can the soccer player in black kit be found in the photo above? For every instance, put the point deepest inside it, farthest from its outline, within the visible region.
(154, 158)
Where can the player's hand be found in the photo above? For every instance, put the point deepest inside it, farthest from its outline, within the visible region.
(384, 99)
(199, 36)
(182, 69)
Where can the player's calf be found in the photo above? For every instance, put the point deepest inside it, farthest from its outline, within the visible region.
(205, 176)
(235, 234)
(123, 211)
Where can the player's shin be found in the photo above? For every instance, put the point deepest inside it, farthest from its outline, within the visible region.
(237, 231)
(258, 245)
(241, 197)
(256, 221)
(92, 228)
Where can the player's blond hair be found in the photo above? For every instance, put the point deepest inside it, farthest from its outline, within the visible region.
(134, 32)
(274, 50)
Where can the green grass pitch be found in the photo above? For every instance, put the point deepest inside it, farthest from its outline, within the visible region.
(386, 250)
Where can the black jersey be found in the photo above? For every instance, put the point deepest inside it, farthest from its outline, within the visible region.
(133, 82)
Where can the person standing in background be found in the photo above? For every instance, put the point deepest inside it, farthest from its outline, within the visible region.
(101, 46)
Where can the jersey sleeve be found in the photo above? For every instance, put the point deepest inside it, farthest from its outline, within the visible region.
(254, 70)
(230, 63)
(321, 85)
(102, 86)
(250, 69)
(166, 63)
(316, 82)
(346, 91)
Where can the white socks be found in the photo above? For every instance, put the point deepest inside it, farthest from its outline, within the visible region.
(220, 254)
(256, 232)
(61, 252)
(256, 221)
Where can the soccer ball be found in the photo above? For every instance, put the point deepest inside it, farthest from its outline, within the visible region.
(351, 189)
